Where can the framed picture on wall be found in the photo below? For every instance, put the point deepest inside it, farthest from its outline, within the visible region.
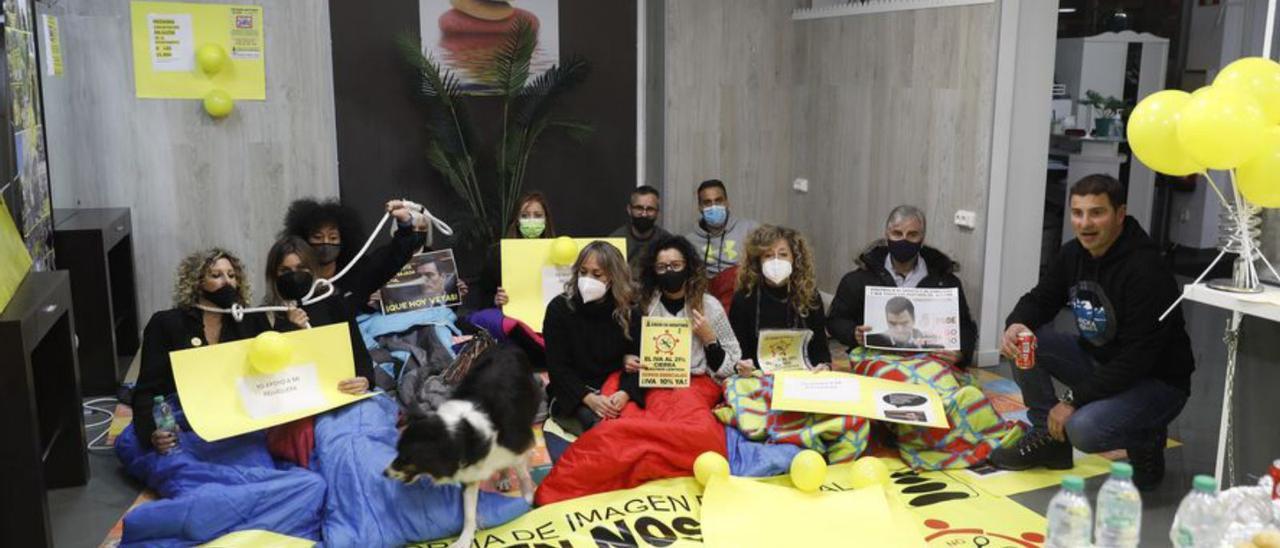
(24, 181)
(465, 34)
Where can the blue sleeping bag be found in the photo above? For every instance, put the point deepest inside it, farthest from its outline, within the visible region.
(212, 489)
(753, 459)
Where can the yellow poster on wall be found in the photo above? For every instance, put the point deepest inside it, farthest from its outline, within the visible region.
(837, 393)
(15, 261)
(167, 36)
(664, 351)
(531, 279)
(224, 395)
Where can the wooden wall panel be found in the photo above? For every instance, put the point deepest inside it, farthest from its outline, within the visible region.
(191, 182)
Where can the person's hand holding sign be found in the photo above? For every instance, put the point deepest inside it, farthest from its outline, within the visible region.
(860, 334)
(632, 363)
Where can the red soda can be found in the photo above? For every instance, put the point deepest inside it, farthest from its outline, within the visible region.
(1275, 479)
(1026, 358)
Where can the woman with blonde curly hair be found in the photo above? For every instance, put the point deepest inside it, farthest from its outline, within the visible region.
(587, 333)
(212, 278)
(777, 289)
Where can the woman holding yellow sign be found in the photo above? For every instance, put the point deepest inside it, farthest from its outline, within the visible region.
(673, 284)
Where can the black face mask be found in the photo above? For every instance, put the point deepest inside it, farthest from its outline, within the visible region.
(224, 297)
(904, 251)
(643, 224)
(672, 281)
(327, 253)
(294, 285)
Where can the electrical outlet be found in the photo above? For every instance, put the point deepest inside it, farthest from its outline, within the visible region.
(800, 184)
(1185, 216)
(966, 219)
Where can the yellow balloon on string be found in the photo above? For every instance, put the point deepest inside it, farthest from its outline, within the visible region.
(1259, 178)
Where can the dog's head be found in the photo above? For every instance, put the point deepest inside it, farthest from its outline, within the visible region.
(435, 446)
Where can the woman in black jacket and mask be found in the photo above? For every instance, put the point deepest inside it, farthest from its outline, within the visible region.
(211, 279)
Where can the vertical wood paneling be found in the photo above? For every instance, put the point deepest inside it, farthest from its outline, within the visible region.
(191, 181)
(874, 110)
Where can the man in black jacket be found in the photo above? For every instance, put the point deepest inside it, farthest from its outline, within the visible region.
(1127, 373)
(899, 260)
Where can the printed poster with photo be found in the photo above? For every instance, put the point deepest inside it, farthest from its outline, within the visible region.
(427, 280)
(912, 319)
(464, 35)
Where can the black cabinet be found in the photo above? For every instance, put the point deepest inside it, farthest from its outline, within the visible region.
(96, 245)
(40, 401)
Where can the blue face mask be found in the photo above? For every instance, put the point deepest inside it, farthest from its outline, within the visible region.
(715, 215)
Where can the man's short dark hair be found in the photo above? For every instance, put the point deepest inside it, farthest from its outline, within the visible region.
(713, 183)
(898, 305)
(646, 190)
(1101, 183)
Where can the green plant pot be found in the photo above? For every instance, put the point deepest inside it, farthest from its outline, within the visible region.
(1102, 127)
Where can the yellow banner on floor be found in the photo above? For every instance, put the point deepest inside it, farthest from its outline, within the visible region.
(15, 261)
(837, 393)
(531, 280)
(223, 395)
(167, 36)
(256, 538)
(942, 509)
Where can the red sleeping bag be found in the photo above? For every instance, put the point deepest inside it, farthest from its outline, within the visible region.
(660, 441)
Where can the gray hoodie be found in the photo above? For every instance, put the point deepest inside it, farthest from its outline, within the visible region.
(724, 250)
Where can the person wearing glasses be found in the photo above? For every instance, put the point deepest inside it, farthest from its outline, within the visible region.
(642, 231)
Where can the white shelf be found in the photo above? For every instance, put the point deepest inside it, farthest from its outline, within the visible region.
(1265, 305)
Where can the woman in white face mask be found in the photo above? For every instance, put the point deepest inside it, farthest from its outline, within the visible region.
(587, 334)
(777, 289)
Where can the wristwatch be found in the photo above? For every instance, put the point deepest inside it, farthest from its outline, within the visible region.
(1068, 398)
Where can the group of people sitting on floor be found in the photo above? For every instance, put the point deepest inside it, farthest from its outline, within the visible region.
(1126, 372)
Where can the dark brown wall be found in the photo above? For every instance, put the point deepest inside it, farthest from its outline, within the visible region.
(381, 136)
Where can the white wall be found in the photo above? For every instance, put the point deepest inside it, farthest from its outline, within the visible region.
(190, 181)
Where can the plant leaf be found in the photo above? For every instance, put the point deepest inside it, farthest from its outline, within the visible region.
(512, 60)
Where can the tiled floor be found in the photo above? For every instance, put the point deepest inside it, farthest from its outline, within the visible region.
(82, 516)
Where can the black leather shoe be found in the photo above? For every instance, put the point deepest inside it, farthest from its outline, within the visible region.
(1037, 448)
(1148, 462)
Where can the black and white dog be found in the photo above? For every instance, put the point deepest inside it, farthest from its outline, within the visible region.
(485, 427)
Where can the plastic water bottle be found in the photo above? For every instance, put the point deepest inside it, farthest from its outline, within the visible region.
(163, 414)
(1198, 522)
(1070, 519)
(1119, 516)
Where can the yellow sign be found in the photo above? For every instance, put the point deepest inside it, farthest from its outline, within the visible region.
(934, 507)
(167, 35)
(531, 280)
(256, 538)
(783, 350)
(53, 45)
(837, 393)
(664, 351)
(224, 395)
(15, 261)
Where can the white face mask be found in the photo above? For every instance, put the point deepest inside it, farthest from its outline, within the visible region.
(776, 270)
(591, 289)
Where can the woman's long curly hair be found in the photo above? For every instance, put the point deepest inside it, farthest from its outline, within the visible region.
(695, 286)
(308, 215)
(186, 285)
(621, 289)
(802, 286)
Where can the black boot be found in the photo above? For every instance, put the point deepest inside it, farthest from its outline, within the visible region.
(1148, 462)
(1037, 448)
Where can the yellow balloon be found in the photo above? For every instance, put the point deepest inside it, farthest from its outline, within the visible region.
(1258, 77)
(708, 465)
(1153, 133)
(219, 104)
(564, 251)
(211, 58)
(1221, 128)
(808, 470)
(1259, 178)
(270, 352)
(868, 471)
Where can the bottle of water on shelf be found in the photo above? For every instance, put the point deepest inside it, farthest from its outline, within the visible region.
(1070, 519)
(1119, 517)
(1198, 522)
(162, 412)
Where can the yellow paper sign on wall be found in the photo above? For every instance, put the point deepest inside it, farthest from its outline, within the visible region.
(531, 280)
(224, 395)
(838, 393)
(15, 261)
(664, 351)
(168, 35)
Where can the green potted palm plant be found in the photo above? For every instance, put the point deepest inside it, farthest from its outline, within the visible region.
(1107, 111)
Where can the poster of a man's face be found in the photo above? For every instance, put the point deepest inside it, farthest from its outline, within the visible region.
(912, 318)
(429, 279)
